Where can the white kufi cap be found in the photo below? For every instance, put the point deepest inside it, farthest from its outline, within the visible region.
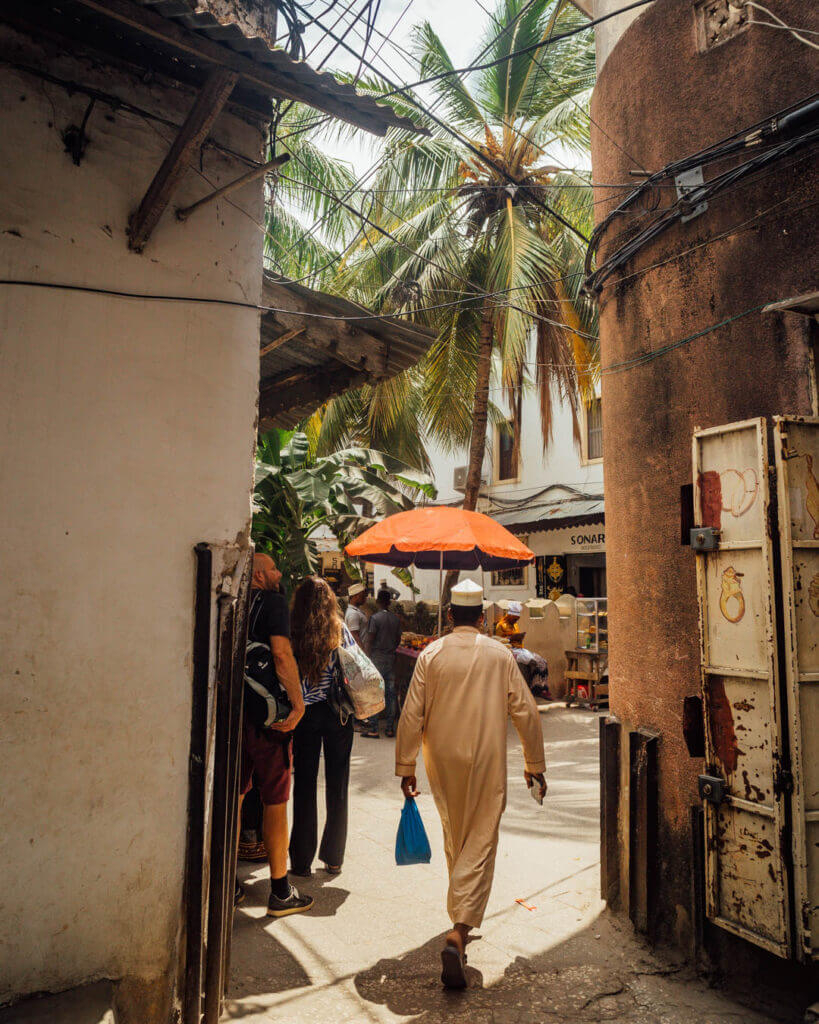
(514, 608)
(356, 588)
(467, 595)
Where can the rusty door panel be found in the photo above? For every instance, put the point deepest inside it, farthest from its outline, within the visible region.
(797, 463)
(746, 890)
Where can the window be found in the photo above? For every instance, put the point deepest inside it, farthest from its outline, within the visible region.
(505, 448)
(594, 431)
(509, 577)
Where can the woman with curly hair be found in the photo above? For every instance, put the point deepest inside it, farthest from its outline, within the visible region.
(317, 631)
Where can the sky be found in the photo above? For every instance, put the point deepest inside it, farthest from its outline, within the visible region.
(460, 24)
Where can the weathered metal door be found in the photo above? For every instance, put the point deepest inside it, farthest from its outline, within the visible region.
(746, 890)
(797, 464)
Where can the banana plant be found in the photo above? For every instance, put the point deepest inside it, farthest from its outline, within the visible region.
(298, 497)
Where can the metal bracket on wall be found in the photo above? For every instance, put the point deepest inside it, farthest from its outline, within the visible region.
(711, 788)
(688, 182)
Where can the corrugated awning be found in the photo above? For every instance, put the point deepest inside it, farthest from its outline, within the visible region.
(553, 515)
(315, 346)
(184, 41)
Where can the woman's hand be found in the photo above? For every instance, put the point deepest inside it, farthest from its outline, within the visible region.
(409, 787)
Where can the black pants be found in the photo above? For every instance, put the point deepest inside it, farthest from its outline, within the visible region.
(319, 728)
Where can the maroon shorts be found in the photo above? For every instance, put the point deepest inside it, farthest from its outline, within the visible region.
(268, 756)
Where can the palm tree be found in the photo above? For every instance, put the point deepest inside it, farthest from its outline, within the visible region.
(467, 220)
(302, 196)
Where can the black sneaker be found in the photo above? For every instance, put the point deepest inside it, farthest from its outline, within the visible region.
(294, 904)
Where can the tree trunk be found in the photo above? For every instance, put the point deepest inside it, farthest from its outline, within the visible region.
(480, 416)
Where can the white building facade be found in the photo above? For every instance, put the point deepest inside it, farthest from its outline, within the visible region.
(552, 499)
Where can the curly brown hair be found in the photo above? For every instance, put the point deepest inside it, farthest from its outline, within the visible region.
(315, 627)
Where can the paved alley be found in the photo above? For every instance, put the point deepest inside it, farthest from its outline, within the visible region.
(368, 952)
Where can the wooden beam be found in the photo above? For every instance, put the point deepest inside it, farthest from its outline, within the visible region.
(331, 351)
(278, 396)
(283, 339)
(265, 76)
(189, 139)
(232, 186)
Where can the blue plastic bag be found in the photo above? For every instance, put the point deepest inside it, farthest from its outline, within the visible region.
(411, 843)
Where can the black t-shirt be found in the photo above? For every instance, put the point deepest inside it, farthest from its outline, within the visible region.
(269, 616)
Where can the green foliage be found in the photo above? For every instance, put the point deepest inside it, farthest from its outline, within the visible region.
(458, 229)
(297, 496)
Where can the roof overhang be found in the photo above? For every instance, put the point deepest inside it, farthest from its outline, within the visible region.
(315, 346)
(558, 507)
(183, 41)
(563, 523)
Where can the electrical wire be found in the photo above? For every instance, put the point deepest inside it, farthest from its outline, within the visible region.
(781, 123)
(436, 103)
(532, 48)
(686, 203)
(649, 357)
(781, 24)
(479, 293)
(475, 150)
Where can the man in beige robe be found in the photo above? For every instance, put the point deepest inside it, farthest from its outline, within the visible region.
(464, 687)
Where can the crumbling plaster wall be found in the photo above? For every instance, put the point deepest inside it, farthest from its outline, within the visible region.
(658, 99)
(128, 435)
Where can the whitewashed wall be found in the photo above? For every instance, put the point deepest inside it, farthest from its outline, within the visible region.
(128, 435)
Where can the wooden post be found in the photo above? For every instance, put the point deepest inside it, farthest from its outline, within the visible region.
(195, 865)
(191, 136)
(233, 186)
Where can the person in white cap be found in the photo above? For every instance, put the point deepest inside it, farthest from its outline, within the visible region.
(354, 619)
(464, 687)
(507, 625)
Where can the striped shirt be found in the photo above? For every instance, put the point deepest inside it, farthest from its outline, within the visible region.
(316, 694)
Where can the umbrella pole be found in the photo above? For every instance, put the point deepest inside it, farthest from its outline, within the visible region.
(440, 589)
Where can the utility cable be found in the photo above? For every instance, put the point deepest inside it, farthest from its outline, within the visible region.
(374, 167)
(689, 201)
(532, 48)
(783, 122)
(427, 111)
(781, 24)
(479, 294)
(648, 357)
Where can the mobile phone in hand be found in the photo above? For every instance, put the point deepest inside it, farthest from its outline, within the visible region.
(534, 792)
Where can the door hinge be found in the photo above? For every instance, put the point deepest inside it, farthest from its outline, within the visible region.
(783, 781)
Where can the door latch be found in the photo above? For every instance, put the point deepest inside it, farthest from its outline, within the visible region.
(711, 788)
(704, 538)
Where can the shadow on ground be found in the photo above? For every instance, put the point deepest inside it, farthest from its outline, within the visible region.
(267, 965)
(586, 978)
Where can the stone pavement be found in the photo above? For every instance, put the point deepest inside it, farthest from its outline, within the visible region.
(369, 949)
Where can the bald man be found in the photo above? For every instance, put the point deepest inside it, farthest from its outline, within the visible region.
(267, 753)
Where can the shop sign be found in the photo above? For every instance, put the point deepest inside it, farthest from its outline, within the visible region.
(586, 539)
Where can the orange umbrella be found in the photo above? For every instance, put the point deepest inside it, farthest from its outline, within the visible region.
(440, 537)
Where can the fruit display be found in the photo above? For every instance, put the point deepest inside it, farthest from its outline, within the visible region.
(415, 641)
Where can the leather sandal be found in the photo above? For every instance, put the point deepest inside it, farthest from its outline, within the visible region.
(452, 967)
